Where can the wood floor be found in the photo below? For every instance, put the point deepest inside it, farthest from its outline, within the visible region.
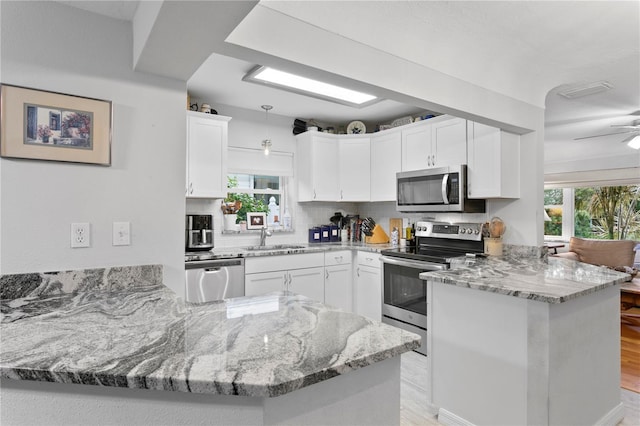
(413, 396)
(630, 357)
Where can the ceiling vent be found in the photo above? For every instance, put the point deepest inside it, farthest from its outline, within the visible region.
(586, 89)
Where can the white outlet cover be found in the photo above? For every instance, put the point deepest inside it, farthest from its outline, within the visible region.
(121, 233)
(80, 235)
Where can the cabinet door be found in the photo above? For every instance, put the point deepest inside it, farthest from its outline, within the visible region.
(355, 169)
(324, 163)
(308, 282)
(206, 157)
(386, 161)
(494, 163)
(416, 148)
(368, 292)
(449, 142)
(264, 282)
(338, 286)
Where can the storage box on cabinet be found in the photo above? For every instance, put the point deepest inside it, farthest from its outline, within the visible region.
(338, 279)
(493, 169)
(368, 286)
(206, 174)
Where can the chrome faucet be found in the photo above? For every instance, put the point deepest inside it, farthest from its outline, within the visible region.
(264, 233)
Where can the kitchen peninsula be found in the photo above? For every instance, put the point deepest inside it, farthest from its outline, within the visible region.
(279, 358)
(525, 340)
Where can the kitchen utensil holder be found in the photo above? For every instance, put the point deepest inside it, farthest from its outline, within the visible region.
(378, 236)
(493, 246)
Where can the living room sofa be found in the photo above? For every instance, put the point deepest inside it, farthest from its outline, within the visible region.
(611, 253)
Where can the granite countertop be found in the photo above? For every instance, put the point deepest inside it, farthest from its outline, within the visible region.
(144, 337)
(550, 280)
(286, 248)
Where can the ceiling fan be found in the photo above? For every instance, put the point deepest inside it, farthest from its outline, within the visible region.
(632, 130)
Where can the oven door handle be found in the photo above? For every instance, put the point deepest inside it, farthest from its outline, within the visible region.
(425, 266)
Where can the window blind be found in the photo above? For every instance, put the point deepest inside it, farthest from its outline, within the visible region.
(253, 161)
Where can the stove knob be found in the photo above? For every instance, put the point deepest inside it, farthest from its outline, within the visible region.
(477, 231)
(462, 230)
(469, 231)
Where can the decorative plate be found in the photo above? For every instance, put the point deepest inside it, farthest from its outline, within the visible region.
(356, 128)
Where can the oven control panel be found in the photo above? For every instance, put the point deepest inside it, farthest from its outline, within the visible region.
(458, 231)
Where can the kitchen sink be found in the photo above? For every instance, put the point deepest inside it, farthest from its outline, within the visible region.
(275, 247)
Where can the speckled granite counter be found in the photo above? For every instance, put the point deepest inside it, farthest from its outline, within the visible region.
(551, 280)
(124, 329)
(282, 249)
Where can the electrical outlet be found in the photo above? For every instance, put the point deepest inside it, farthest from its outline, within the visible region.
(80, 235)
(121, 233)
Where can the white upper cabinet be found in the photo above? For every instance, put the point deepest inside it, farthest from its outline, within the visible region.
(317, 167)
(416, 147)
(493, 169)
(333, 168)
(438, 142)
(206, 155)
(449, 142)
(355, 169)
(386, 161)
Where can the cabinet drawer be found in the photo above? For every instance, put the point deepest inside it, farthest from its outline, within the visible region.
(258, 264)
(340, 257)
(368, 259)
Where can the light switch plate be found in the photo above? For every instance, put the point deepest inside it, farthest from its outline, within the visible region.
(121, 233)
(80, 235)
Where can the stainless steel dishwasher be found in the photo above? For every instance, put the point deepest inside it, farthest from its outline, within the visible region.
(214, 279)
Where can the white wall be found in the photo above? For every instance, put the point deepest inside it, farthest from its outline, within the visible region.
(54, 47)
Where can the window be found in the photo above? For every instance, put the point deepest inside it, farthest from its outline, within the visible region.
(259, 193)
(605, 212)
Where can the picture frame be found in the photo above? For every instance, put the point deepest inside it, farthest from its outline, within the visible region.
(42, 125)
(256, 220)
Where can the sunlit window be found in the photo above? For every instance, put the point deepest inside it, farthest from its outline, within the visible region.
(259, 194)
(606, 212)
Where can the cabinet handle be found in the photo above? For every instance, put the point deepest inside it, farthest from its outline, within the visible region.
(358, 271)
(341, 197)
(190, 187)
(433, 160)
(326, 274)
(314, 194)
(469, 188)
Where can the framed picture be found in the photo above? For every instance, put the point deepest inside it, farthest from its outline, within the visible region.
(42, 125)
(256, 220)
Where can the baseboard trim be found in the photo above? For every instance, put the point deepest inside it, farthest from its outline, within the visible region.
(447, 418)
(613, 417)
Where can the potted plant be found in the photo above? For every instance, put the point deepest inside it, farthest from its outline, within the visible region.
(44, 132)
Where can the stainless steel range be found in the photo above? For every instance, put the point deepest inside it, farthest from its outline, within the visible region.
(404, 298)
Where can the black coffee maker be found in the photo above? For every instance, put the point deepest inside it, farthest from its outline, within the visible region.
(199, 232)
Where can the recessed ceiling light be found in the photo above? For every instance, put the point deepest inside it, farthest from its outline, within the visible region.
(309, 87)
(578, 91)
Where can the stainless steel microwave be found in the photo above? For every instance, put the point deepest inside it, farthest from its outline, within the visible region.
(442, 189)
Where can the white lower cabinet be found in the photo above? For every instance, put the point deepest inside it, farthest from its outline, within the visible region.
(338, 279)
(299, 273)
(308, 282)
(264, 282)
(326, 277)
(368, 286)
